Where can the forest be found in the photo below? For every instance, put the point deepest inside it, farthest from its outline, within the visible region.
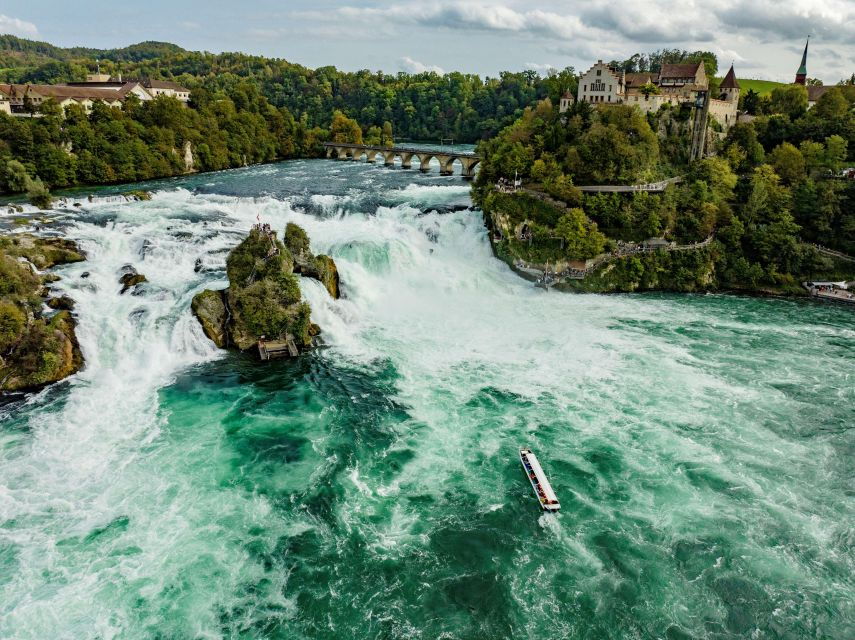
(424, 106)
(772, 191)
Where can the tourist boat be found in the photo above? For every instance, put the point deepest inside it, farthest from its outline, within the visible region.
(542, 488)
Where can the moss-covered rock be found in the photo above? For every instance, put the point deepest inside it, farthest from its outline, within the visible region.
(44, 253)
(47, 352)
(138, 194)
(322, 268)
(35, 350)
(61, 303)
(131, 280)
(210, 308)
(263, 300)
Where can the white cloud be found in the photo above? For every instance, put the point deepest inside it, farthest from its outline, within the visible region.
(461, 16)
(540, 68)
(17, 27)
(772, 20)
(754, 34)
(414, 66)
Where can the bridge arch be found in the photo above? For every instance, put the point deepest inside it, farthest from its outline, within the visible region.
(424, 160)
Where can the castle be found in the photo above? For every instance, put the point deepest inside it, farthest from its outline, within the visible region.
(672, 84)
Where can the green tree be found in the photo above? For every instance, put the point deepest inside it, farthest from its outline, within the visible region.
(790, 100)
(12, 323)
(835, 152)
(344, 129)
(788, 162)
(832, 105)
(581, 237)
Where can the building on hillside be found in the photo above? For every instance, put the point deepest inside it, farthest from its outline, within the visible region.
(22, 96)
(144, 89)
(602, 84)
(22, 99)
(815, 92)
(673, 84)
(566, 101)
(724, 108)
(166, 88)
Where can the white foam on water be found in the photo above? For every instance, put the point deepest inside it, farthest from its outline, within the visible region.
(422, 293)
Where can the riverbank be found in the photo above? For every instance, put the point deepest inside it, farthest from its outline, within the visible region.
(523, 234)
(37, 329)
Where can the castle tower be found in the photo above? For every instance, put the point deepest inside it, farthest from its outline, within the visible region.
(729, 87)
(801, 74)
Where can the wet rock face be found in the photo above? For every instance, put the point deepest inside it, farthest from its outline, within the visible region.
(62, 303)
(130, 278)
(210, 309)
(322, 268)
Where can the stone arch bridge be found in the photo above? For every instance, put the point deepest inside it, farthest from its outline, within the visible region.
(346, 151)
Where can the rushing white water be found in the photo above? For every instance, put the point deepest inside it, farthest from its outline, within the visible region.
(696, 443)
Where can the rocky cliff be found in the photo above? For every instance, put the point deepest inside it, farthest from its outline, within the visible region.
(36, 347)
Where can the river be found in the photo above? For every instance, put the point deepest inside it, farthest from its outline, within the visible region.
(701, 445)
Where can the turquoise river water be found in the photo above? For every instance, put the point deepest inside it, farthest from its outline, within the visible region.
(702, 446)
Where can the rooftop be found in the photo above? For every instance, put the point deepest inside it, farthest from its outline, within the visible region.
(729, 81)
(682, 70)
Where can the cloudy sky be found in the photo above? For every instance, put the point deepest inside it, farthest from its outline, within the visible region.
(764, 38)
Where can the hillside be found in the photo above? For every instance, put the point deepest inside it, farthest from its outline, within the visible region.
(762, 87)
(22, 56)
(746, 218)
(422, 106)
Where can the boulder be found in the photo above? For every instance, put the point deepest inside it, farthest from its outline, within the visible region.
(209, 307)
(322, 268)
(46, 352)
(130, 278)
(62, 303)
(44, 253)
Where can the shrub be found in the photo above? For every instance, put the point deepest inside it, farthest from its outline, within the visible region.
(12, 323)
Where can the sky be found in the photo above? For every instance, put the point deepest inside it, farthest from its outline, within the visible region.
(763, 38)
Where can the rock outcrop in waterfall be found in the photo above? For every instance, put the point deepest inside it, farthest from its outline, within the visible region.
(263, 302)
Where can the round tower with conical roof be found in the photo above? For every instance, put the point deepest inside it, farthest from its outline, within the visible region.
(729, 87)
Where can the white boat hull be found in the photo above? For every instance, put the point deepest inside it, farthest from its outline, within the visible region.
(538, 480)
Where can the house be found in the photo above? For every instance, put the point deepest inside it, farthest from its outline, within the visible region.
(602, 84)
(144, 89)
(17, 99)
(166, 88)
(815, 93)
(673, 84)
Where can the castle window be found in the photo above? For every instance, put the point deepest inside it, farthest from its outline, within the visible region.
(599, 72)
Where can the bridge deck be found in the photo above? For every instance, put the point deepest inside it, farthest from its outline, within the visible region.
(413, 150)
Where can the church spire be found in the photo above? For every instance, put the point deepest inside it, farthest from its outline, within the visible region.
(801, 74)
